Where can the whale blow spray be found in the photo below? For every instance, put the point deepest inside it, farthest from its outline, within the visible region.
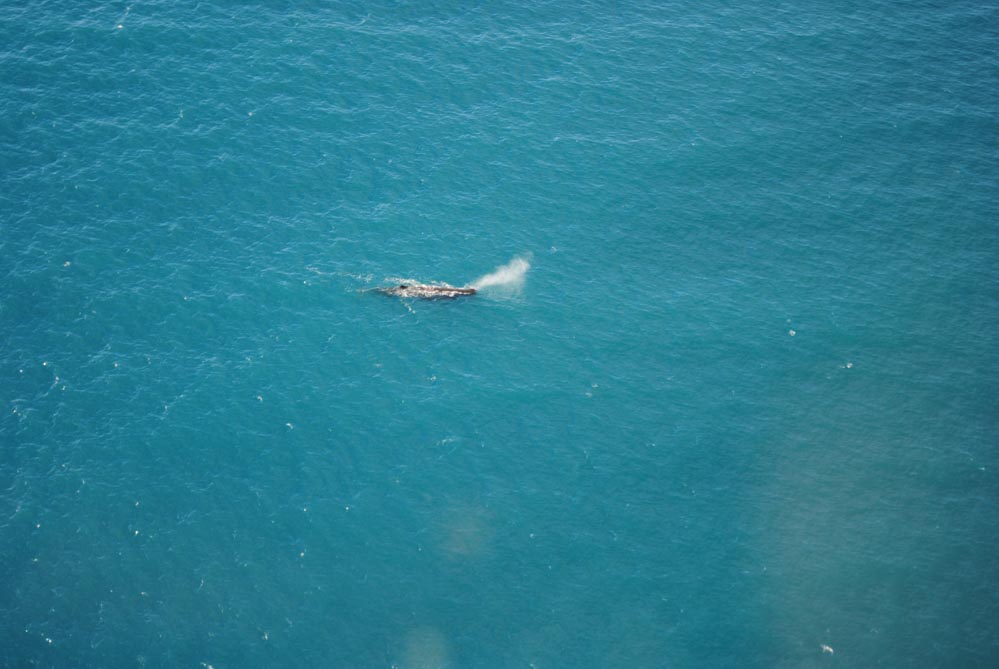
(510, 276)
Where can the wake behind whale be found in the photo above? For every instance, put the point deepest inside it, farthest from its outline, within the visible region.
(508, 278)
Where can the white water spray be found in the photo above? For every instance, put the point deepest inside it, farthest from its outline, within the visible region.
(510, 276)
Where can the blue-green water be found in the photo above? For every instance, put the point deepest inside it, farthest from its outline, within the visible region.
(744, 405)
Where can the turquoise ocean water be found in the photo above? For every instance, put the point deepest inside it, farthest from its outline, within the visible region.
(743, 405)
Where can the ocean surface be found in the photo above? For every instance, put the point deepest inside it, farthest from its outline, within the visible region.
(733, 402)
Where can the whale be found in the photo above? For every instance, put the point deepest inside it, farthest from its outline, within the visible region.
(425, 291)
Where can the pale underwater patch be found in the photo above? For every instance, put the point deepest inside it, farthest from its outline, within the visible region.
(425, 648)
